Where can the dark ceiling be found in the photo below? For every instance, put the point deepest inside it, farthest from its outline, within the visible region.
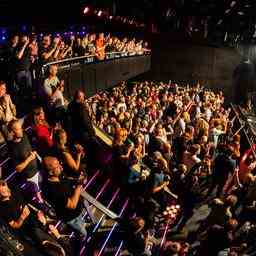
(223, 17)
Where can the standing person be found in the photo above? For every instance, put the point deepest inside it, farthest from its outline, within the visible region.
(22, 155)
(10, 61)
(100, 47)
(47, 50)
(81, 126)
(53, 90)
(23, 76)
(224, 166)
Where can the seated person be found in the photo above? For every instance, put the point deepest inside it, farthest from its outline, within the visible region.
(16, 212)
(42, 130)
(22, 155)
(65, 196)
(71, 162)
(7, 109)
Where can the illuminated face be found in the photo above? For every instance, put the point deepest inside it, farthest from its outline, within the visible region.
(46, 41)
(53, 70)
(2, 90)
(5, 192)
(55, 167)
(17, 130)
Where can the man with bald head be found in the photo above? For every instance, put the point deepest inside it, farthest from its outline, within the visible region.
(65, 195)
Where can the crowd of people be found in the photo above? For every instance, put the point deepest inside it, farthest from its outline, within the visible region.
(170, 145)
(23, 56)
(181, 139)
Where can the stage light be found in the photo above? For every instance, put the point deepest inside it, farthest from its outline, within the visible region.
(3, 37)
(86, 10)
(110, 17)
(227, 11)
(240, 13)
(232, 3)
(220, 21)
(99, 13)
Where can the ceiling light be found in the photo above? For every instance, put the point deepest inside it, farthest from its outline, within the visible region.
(220, 21)
(227, 11)
(240, 13)
(232, 3)
(86, 10)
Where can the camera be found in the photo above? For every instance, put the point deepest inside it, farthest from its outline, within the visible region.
(167, 178)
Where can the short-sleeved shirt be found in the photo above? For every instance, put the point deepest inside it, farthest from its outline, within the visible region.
(57, 194)
(11, 210)
(19, 152)
(49, 87)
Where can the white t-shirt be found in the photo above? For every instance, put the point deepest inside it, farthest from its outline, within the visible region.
(57, 100)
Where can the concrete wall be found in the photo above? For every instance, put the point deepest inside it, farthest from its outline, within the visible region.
(189, 63)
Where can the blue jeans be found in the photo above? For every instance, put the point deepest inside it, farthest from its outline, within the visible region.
(78, 224)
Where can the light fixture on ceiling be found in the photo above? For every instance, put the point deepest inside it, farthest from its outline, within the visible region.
(219, 22)
(233, 3)
(227, 11)
(86, 10)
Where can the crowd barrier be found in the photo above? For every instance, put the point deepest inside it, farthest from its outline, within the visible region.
(92, 75)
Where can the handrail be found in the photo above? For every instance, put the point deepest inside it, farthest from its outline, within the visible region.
(90, 56)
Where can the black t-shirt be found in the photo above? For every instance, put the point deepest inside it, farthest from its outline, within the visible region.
(223, 166)
(19, 151)
(11, 211)
(24, 63)
(57, 193)
(80, 119)
(43, 50)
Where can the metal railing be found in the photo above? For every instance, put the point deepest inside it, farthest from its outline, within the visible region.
(88, 59)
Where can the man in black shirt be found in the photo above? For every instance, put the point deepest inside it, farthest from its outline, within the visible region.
(23, 157)
(82, 129)
(81, 124)
(17, 214)
(9, 58)
(65, 196)
(23, 75)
